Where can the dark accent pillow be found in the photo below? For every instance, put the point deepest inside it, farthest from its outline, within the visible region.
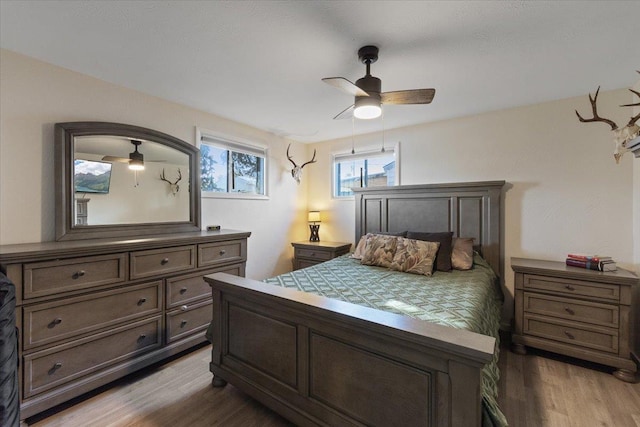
(393, 233)
(443, 257)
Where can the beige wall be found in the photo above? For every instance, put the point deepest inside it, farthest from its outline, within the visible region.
(565, 192)
(36, 95)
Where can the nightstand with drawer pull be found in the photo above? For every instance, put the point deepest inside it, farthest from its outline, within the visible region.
(307, 254)
(581, 313)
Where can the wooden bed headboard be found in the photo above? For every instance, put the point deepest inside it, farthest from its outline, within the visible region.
(469, 209)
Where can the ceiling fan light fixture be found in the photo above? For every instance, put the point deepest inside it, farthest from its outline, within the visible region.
(367, 107)
(136, 165)
(136, 159)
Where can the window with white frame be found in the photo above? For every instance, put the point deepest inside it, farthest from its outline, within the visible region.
(231, 167)
(366, 169)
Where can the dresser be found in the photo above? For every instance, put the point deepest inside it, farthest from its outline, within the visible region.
(92, 311)
(306, 254)
(581, 313)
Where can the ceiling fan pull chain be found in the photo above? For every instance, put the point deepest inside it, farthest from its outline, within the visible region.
(353, 131)
(382, 114)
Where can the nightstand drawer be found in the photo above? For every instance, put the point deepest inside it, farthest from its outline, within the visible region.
(315, 254)
(580, 311)
(562, 286)
(53, 277)
(57, 320)
(162, 261)
(572, 333)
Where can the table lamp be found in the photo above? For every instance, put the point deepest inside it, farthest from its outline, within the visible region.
(314, 218)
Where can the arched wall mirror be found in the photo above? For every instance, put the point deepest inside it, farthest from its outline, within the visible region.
(116, 180)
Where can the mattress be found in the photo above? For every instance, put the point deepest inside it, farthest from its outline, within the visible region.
(469, 300)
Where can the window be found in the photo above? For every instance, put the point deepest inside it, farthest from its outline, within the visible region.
(368, 169)
(231, 168)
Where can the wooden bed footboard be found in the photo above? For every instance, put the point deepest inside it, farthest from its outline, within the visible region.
(323, 362)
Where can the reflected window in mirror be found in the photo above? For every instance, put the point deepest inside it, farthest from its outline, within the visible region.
(230, 167)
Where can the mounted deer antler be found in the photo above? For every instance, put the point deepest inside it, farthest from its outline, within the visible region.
(296, 172)
(620, 136)
(173, 186)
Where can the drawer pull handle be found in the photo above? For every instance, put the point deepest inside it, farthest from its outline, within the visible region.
(141, 337)
(183, 290)
(222, 252)
(184, 308)
(55, 367)
(569, 335)
(164, 261)
(56, 321)
(568, 310)
(78, 274)
(570, 288)
(142, 301)
(183, 323)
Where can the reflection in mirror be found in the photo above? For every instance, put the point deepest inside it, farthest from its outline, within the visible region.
(110, 190)
(115, 180)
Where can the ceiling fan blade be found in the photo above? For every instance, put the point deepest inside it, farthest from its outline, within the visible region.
(115, 159)
(345, 85)
(347, 113)
(415, 96)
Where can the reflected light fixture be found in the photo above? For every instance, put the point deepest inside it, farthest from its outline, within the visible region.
(136, 159)
(314, 218)
(367, 107)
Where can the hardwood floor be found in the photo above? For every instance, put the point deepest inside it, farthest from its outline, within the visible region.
(539, 389)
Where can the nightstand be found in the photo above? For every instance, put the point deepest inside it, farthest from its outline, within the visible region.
(586, 314)
(307, 254)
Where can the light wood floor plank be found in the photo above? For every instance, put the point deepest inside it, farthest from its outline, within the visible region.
(536, 390)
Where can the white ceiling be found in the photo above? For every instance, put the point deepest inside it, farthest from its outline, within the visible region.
(260, 62)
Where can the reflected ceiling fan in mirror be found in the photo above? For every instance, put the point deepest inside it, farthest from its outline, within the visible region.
(135, 159)
(367, 91)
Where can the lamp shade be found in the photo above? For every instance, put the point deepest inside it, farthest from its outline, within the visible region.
(314, 216)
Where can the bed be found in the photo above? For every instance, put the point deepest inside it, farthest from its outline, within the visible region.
(321, 360)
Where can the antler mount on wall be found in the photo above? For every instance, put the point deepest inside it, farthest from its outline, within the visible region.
(621, 136)
(296, 172)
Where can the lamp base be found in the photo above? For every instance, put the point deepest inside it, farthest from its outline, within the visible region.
(315, 228)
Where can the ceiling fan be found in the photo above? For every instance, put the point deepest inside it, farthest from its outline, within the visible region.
(135, 159)
(367, 91)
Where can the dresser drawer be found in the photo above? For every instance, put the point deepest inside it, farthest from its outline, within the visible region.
(53, 277)
(192, 287)
(221, 252)
(580, 288)
(162, 261)
(59, 365)
(573, 333)
(572, 309)
(57, 320)
(188, 320)
(312, 253)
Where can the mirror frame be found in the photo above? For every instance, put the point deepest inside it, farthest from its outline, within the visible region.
(65, 134)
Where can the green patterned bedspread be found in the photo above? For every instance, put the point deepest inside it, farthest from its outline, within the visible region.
(461, 299)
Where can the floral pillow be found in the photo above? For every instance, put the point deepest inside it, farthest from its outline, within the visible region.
(462, 253)
(379, 250)
(415, 256)
(359, 252)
